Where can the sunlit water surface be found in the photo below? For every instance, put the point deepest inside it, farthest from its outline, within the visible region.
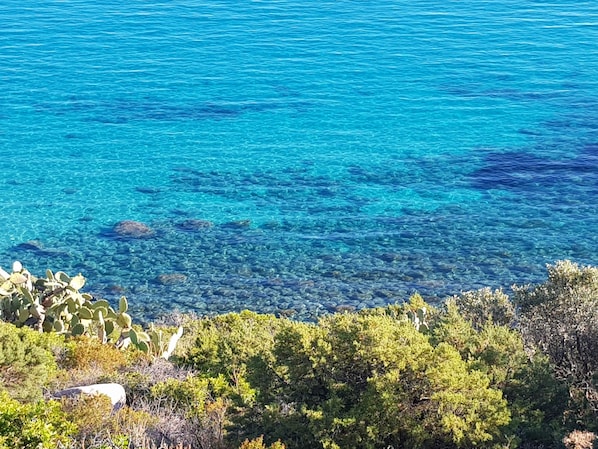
(345, 153)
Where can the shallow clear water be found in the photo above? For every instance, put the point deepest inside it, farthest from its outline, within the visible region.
(376, 148)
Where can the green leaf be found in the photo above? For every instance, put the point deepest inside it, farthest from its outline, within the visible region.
(57, 310)
(35, 310)
(72, 305)
(16, 303)
(59, 326)
(6, 287)
(123, 305)
(143, 346)
(142, 336)
(47, 326)
(133, 337)
(85, 313)
(109, 326)
(24, 315)
(101, 303)
(63, 277)
(74, 321)
(17, 278)
(156, 338)
(27, 294)
(99, 314)
(79, 329)
(77, 282)
(124, 320)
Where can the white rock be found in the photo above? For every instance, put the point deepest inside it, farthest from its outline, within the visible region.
(115, 392)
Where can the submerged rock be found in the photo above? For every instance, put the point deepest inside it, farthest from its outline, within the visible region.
(39, 248)
(133, 229)
(238, 224)
(171, 278)
(195, 225)
(31, 245)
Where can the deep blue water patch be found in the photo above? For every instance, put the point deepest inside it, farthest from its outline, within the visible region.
(525, 172)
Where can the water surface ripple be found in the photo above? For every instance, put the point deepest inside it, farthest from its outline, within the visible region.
(298, 156)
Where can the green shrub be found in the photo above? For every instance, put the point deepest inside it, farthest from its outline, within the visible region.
(26, 361)
(258, 443)
(481, 306)
(85, 353)
(536, 399)
(98, 426)
(358, 381)
(189, 395)
(89, 413)
(222, 344)
(559, 318)
(40, 425)
(203, 403)
(494, 349)
(235, 347)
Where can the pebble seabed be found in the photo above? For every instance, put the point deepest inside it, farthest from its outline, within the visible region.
(517, 212)
(297, 270)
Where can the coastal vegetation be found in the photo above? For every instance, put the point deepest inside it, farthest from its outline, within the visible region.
(483, 370)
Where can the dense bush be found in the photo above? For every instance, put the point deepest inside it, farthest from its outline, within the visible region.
(39, 425)
(480, 306)
(476, 372)
(258, 443)
(366, 381)
(536, 400)
(27, 363)
(98, 426)
(85, 353)
(559, 318)
(223, 343)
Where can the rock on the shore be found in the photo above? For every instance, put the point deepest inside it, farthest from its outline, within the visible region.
(114, 391)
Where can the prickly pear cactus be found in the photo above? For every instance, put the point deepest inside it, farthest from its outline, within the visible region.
(418, 318)
(154, 343)
(55, 303)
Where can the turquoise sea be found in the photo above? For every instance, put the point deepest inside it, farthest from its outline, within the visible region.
(346, 153)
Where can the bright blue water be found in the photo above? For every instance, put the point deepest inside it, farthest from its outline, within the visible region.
(377, 148)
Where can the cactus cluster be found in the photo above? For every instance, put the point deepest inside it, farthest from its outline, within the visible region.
(418, 318)
(56, 304)
(153, 342)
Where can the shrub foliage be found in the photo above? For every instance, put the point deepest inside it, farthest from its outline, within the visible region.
(476, 372)
(26, 361)
(559, 317)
